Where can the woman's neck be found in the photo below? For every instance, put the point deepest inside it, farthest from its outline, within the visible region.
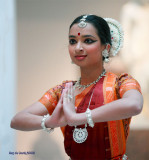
(88, 75)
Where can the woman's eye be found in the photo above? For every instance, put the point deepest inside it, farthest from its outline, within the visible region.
(72, 41)
(89, 41)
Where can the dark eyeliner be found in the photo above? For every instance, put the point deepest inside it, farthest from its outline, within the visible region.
(72, 41)
(89, 41)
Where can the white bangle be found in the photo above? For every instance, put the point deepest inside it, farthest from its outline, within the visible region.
(89, 118)
(43, 124)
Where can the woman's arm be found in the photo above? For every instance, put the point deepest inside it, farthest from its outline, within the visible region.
(129, 105)
(30, 118)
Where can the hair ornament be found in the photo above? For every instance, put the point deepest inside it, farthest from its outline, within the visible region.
(117, 36)
(82, 23)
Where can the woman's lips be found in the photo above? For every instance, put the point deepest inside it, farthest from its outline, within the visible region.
(80, 57)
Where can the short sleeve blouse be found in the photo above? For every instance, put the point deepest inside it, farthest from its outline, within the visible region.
(124, 82)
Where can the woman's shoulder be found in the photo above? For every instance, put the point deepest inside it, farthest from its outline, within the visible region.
(58, 88)
(123, 78)
(67, 81)
(52, 95)
(63, 84)
(122, 82)
(125, 82)
(120, 76)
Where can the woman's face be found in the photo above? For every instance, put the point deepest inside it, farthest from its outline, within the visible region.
(85, 46)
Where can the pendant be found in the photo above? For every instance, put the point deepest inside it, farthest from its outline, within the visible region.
(80, 134)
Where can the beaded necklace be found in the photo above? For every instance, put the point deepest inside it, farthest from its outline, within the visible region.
(79, 85)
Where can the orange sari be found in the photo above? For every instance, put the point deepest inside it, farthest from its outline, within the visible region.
(113, 88)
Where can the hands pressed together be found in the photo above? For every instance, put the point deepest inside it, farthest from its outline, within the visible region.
(64, 112)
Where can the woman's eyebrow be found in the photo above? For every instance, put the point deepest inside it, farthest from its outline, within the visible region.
(84, 36)
(88, 36)
(72, 36)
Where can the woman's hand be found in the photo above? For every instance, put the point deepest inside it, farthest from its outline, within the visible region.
(57, 119)
(69, 103)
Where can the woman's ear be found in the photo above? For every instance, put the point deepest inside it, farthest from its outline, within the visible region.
(108, 46)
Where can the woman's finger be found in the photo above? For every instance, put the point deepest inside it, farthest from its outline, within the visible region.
(71, 92)
(62, 95)
(68, 92)
(65, 95)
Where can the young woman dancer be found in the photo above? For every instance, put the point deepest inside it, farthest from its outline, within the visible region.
(94, 112)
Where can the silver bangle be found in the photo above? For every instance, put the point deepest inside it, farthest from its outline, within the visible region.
(43, 124)
(89, 118)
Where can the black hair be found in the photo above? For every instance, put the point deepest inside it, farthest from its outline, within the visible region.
(101, 26)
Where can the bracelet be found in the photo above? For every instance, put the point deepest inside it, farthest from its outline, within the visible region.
(43, 124)
(89, 118)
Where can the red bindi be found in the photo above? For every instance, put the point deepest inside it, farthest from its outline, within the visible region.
(79, 34)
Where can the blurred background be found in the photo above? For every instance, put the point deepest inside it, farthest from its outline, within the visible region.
(34, 57)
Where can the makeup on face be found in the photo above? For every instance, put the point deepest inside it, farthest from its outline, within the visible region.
(80, 57)
(85, 46)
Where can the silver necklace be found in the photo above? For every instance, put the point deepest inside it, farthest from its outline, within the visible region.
(79, 85)
(80, 134)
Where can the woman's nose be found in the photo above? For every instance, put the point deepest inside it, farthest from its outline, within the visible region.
(79, 47)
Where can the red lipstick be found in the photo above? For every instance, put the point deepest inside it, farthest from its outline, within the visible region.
(80, 57)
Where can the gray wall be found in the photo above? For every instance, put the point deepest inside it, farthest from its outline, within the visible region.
(7, 77)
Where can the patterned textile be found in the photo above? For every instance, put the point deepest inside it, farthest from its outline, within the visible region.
(124, 83)
(97, 144)
(52, 96)
(113, 87)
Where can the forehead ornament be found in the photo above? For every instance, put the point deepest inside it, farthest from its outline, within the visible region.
(82, 23)
(79, 34)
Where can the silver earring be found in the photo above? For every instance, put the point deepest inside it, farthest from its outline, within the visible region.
(105, 54)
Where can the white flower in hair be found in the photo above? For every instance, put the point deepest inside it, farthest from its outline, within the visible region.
(116, 36)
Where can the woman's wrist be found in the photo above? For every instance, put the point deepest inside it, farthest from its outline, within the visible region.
(77, 119)
(47, 122)
(44, 124)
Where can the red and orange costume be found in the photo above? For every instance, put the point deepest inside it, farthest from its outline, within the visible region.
(107, 140)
